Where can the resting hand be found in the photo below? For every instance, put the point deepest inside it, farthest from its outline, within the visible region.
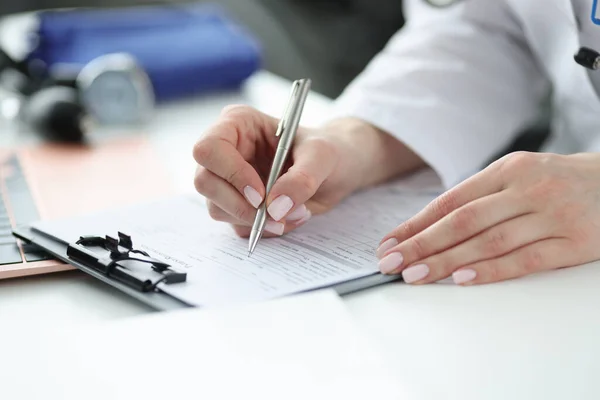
(525, 213)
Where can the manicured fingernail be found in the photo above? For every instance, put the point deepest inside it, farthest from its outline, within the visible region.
(275, 227)
(303, 220)
(415, 273)
(385, 246)
(279, 207)
(464, 276)
(252, 196)
(390, 263)
(298, 213)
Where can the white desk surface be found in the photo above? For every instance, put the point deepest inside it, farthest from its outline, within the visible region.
(534, 338)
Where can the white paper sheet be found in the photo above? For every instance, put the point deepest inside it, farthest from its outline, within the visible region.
(301, 347)
(329, 249)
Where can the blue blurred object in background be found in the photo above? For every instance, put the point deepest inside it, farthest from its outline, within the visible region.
(185, 50)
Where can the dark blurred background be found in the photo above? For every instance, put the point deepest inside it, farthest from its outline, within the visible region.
(330, 41)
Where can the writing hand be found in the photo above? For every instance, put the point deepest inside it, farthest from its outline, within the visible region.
(234, 158)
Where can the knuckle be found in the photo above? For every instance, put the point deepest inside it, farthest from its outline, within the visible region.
(234, 175)
(441, 266)
(445, 204)
(495, 243)
(237, 118)
(307, 182)
(203, 151)
(517, 162)
(493, 272)
(532, 261)
(418, 248)
(547, 159)
(242, 213)
(519, 159)
(405, 230)
(464, 219)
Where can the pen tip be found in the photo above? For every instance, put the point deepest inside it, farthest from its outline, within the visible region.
(249, 254)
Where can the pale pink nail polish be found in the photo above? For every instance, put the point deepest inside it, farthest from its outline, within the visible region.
(279, 207)
(415, 273)
(252, 196)
(464, 276)
(303, 220)
(385, 246)
(298, 213)
(276, 228)
(390, 263)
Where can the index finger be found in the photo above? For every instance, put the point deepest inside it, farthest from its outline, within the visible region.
(222, 159)
(227, 146)
(479, 185)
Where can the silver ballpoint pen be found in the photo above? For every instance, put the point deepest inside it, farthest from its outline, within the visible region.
(286, 131)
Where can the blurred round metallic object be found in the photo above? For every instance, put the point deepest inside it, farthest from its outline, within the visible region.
(115, 90)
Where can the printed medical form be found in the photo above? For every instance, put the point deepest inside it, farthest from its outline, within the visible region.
(331, 248)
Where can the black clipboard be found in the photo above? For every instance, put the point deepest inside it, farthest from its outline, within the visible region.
(150, 294)
(143, 287)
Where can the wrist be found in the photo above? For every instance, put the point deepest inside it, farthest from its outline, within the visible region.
(372, 155)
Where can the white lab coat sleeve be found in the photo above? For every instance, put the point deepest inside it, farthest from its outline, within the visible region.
(456, 85)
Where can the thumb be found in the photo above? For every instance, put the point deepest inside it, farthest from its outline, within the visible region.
(315, 159)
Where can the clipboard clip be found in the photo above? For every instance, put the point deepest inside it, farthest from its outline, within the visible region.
(116, 258)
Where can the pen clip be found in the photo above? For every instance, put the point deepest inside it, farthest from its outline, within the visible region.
(288, 109)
